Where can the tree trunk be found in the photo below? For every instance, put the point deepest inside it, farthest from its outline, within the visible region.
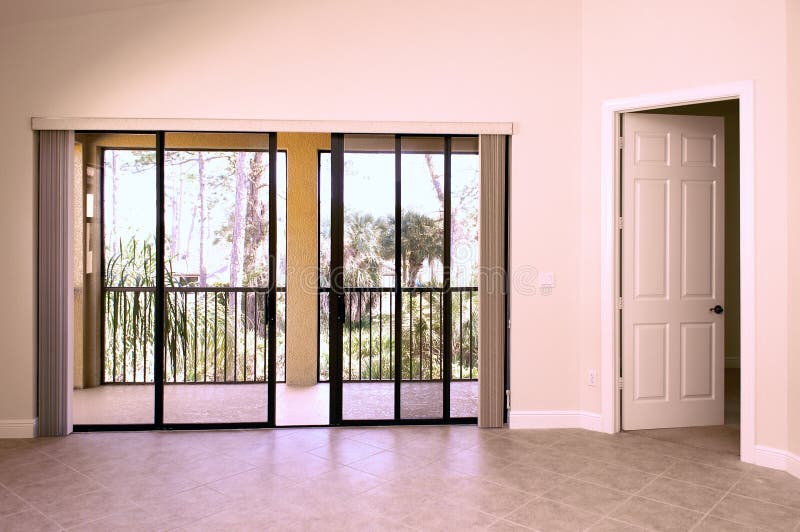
(437, 186)
(238, 220)
(255, 232)
(201, 200)
(114, 203)
(176, 200)
(188, 249)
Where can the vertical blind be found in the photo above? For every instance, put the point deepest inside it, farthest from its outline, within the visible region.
(55, 298)
(492, 281)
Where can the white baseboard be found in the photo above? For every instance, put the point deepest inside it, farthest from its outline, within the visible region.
(19, 428)
(778, 459)
(553, 419)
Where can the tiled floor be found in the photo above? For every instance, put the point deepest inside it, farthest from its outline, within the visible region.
(295, 405)
(720, 438)
(400, 478)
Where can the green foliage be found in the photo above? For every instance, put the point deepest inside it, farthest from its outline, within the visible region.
(207, 339)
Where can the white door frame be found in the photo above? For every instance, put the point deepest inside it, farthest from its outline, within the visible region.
(609, 244)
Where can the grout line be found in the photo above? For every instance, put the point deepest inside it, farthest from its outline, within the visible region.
(717, 504)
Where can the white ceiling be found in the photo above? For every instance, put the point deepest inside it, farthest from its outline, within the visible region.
(14, 12)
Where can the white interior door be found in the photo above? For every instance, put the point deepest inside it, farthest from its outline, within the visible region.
(672, 271)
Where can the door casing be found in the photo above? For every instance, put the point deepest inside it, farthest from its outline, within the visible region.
(610, 244)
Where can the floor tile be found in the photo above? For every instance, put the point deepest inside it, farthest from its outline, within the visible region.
(615, 477)
(69, 484)
(302, 467)
(756, 513)
(501, 525)
(703, 475)
(27, 521)
(715, 524)
(489, 497)
(81, 509)
(10, 503)
(345, 451)
(679, 493)
(586, 496)
(442, 515)
(608, 524)
(656, 515)
(526, 478)
(772, 486)
(555, 460)
(543, 514)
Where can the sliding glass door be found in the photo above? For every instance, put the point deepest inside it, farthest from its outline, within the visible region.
(220, 212)
(189, 280)
(401, 341)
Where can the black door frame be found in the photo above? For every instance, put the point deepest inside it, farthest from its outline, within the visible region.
(159, 299)
(336, 299)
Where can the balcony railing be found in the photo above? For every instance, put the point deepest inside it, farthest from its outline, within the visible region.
(369, 333)
(218, 334)
(212, 335)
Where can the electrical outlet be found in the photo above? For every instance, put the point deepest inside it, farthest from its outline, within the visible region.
(592, 377)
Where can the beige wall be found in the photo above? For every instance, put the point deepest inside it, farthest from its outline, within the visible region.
(793, 11)
(544, 65)
(302, 256)
(631, 48)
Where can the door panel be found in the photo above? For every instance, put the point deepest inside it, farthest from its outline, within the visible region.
(220, 248)
(652, 239)
(402, 303)
(651, 347)
(672, 267)
(697, 239)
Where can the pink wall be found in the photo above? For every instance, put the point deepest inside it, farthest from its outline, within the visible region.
(352, 59)
(793, 61)
(545, 65)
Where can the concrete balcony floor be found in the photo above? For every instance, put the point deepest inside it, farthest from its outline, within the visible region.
(295, 405)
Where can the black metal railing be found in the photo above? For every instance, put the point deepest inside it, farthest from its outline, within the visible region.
(369, 333)
(212, 335)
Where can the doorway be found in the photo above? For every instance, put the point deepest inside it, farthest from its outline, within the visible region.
(680, 274)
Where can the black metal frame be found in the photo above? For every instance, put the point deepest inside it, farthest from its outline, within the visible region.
(336, 299)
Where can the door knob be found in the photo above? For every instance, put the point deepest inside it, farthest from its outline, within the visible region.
(717, 309)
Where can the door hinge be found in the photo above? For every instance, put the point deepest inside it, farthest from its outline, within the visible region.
(508, 399)
(619, 223)
(619, 383)
(509, 323)
(620, 142)
(619, 303)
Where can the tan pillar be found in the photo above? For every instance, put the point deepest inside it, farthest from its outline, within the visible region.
(302, 253)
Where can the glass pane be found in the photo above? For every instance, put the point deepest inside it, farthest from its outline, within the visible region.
(115, 310)
(465, 186)
(216, 204)
(369, 238)
(421, 249)
(324, 263)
